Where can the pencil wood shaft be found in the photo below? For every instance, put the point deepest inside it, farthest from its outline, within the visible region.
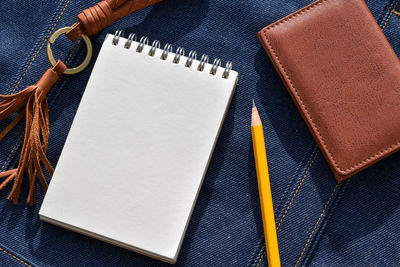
(264, 188)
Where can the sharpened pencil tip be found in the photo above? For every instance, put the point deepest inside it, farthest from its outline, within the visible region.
(255, 117)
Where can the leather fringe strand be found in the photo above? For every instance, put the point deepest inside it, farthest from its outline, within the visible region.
(31, 104)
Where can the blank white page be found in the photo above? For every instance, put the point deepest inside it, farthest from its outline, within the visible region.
(138, 150)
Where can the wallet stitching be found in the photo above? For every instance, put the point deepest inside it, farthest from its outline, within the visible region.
(304, 107)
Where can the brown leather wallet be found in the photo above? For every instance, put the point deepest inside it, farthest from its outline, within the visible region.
(344, 77)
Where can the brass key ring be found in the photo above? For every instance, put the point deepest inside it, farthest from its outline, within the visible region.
(52, 60)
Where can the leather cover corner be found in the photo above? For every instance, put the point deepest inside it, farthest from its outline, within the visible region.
(344, 77)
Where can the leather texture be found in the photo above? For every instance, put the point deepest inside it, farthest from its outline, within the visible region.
(344, 77)
(31, 103)
(94, 19)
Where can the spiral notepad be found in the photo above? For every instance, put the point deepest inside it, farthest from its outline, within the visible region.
(139, 146)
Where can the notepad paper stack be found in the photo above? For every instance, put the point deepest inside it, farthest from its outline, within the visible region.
(139, 146)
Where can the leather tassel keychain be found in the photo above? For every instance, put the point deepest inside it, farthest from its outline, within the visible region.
(31, 102)
(33, 105)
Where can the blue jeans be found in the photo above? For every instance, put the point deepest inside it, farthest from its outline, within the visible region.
(319, 221)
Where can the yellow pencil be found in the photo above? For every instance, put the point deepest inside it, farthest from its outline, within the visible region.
(264, 189)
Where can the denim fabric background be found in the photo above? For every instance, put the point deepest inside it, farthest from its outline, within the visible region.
(319, 222)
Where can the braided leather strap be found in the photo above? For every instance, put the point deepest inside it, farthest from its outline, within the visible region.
(94, 19)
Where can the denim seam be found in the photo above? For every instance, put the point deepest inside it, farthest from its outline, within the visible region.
(317, 223)
(38, 45)
(50, 106)
(396, 13)
(298, 188)
(292, 200)
(17, 144)
(285, 198)
(75, 54)
(23, 75)
(72, 53)
(385, 13)
(328, 216)
(393, 10)
(12, 151)
(41, 46)
(15, 257)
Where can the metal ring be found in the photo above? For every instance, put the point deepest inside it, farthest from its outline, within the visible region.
(228, 68)
(179, 52)
(167, 49)
(215, 65)
(128, 43)
(154, 46)
(85, 62)
(143, 41)
(192, 55)
(203, 61)
(117, 35)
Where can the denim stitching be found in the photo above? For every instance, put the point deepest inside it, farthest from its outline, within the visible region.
(76, 51)
(12, 150)
(284, 200)
(37, 46)
(41, 46)
(15, 257)
(297, 189)
(347, 170)
(23, 75)
(328, 215)
(385, 13)
(396, 13)
(50, 106)
(73, 51)
(26, 70)
(17, 145)
(15, 87)
(292, 199)
(262, 256)
(316, 225)
(390, 14)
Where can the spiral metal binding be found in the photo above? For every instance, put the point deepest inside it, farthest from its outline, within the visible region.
(143, 41)
(117, 35)
(156, 44)
(166, 50)
(215, 65)
(203, 62)
(180, 52)
(192, 56)
(131, 38)
(228, 68)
